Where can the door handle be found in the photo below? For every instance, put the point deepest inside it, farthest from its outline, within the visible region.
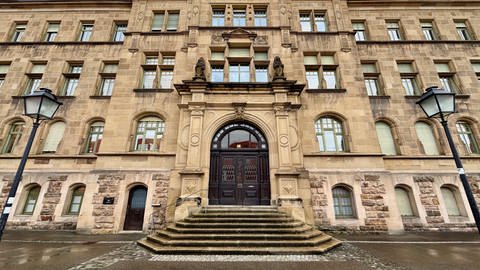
(251, 186)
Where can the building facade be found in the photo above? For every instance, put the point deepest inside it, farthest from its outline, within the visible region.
(173, 105)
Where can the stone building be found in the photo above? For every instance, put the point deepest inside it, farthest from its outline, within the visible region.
(173, 105)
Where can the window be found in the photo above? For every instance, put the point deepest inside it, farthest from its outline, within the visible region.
(108, 75)
(149, 134)
(239, 72)
(149, 78)
(447, 77)
(239, 17)
(409, 79)
(467, 137)
(71, 79)
(393, 29)
(327, 70)
(260, 55)
(450, 200)
(95, 136)
(343, 202)
(3, 72)
(55, 135)
(260, 17)
(371, 78)
(76, 200)
(359, 29)
(217, 74)
(218, 17)
(329, 132)
(13, 136)
(52, 31)
(165, 21)
(385, 138)
(34, 78)
(475, 65)
(313, 21)
(31, 200)
(120, 29)
(85, 32)
(429, 31)
(404, 201)
(168, 60)
(463, 30)
(166, 77)
(18, 32)
(261, 74)
(426, 138)
(312, 79)
(151, 60)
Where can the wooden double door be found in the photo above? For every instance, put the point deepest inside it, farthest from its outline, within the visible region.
(239, 178)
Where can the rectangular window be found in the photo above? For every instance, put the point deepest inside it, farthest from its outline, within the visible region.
(305, 22)
(157, 23)
(218, 17)
(239, 17)
(394, 32)
(52, 31)
(166, 77)
(18, 32)
(165, 21)
(330, 78)
(120, 29)
(428, 30)
(34, 78)
(261, 74)
(168, 60)
(151, 60)
(239, 52)
(108, 76)
(320, 22)
(463, 30)
(263, 56)
(85, 32)
(312, 79)
(71, 79)
(172, 21)
(3, 72)
(239, 73)
(475, 65)
(148, 78)
(217, 74)
(313, 21)
(447, 77)
(409, 79)
(371, 77)
(359, 29)
(218, 55)
(260, 17)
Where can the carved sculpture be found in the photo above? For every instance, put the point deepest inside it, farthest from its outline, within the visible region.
(200, 70)
(278, 69)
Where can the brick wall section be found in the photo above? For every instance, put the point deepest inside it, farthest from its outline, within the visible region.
(373, 192)
(319, 201)
(429, 200)
(51, 197)
(474, 181)
(108, 186)
(160, 196)
(6, 184)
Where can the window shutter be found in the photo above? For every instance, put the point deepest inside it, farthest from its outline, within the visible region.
(239, 52)
(310, 60)
(4, 69)
(53, 27)
(261, 56)
(442, 67)
(405, 68)
(385, 138)
(358, 26)
(328, 60)
(172, 21)
(110, 68)
(426, 137)
(369, 68)
(39, 68)
(450, 202)
(403, 202)
(55, 135)
(218, 56)
(157, 22)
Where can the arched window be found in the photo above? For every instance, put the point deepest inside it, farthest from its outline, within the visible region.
(31, 200)
(405, 201)
(95, 135)
(426, 137)
(385, 138)
(343, 202)
(467, 137)
(13, 136)
(76, 200)
(450, 199)
(330, 136)
(149, 134)
(55, 135)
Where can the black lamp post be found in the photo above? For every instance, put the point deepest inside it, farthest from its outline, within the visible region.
(438, 103)
(40, 105)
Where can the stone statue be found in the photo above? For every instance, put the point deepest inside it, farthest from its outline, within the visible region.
(278, 69)
(200, 70)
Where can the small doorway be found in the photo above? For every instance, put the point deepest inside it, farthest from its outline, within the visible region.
(135, 209)
(239, 171)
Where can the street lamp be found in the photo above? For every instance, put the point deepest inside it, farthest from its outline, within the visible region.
(40, 105)
(438, 103)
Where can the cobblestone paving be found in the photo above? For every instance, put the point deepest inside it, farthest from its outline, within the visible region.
(132, 252)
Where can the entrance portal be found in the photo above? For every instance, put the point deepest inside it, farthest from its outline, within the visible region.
(135, 209)
(239, 171)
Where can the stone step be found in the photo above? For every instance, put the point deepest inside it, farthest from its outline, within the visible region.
(297, 230)
(238, 219)
(239, 214)
(186, 224)
(319, 249)
(239, 236)
(256, 209)
(317, 240)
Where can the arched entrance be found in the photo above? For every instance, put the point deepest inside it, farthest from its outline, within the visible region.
(239, 171)
(135, 208)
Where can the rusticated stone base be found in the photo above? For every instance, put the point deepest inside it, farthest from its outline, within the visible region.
(108, 186)
(159, 201)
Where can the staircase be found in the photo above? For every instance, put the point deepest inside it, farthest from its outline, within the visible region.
(239, 230)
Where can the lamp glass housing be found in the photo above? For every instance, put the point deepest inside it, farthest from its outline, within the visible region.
(41, 104)
(437, 102)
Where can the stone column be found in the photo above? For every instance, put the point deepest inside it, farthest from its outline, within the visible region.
(51, 200)
(429, 200)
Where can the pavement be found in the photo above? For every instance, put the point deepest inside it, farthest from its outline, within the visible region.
(67, 250)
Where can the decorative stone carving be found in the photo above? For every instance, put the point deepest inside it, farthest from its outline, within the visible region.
(239, 110)
(217, 39)
(261, 40)
(288, 188)
(190, 187)
(278, 74)
(200, 70)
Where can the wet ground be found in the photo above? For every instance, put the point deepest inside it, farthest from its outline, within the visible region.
(66, 250)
